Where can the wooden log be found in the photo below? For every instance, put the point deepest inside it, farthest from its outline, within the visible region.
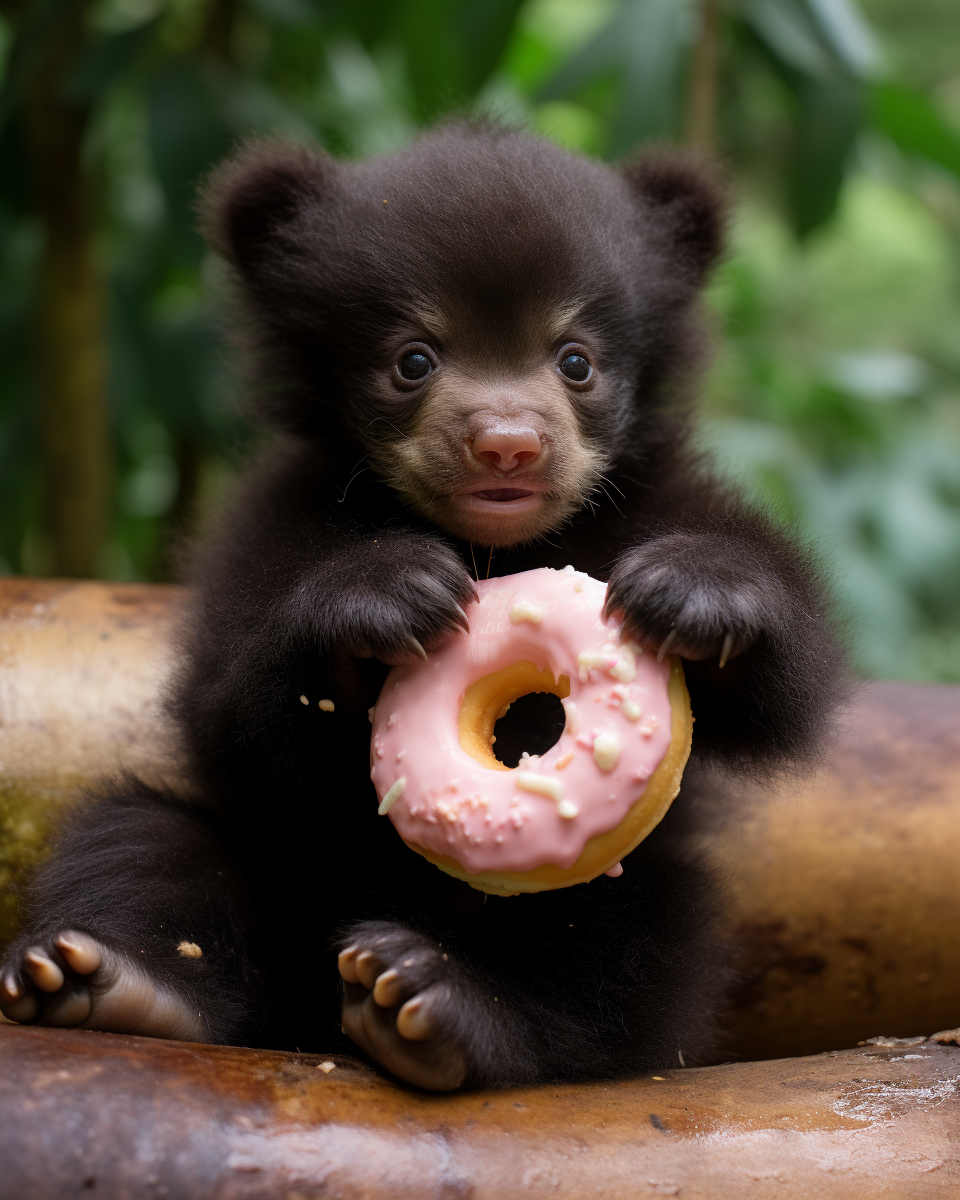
(99, 1114)
(844, 901)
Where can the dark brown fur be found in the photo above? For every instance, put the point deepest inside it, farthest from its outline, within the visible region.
(493, 249)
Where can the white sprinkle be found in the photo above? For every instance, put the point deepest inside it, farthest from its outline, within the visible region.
(326, 1067)
(569, 569)
(392, 796)
(625, 669)
(615, 871)
(587, 661)
(304, 700)
(630, 709)
(606, 750)
(528, 782)
(573, 716)
(326, 705)
(525, 611)
(370, 713)
(391, 720)
(567, 809)
(527, 760)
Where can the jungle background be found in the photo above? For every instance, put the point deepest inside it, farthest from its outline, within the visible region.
(835, 391)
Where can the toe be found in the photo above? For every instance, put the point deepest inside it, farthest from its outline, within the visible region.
(16, 1003)
(436, 1065)
(43, 971)
(80, 952)
(369, 967)
(68, 1007)
(415, 1019)
(388, 989)
(347, 964)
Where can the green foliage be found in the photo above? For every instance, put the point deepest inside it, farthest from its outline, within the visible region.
(835, 394)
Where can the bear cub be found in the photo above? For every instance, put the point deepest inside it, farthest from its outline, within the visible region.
(473, 357)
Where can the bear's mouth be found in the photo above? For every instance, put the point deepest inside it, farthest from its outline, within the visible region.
(503, 495)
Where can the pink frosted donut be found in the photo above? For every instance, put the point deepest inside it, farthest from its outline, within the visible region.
(568, 815)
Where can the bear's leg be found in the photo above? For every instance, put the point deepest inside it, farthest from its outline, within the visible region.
(420, 1011)
(603, 980)
(133, 925)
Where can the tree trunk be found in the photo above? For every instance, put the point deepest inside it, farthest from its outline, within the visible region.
(702, 92)
(72, 410)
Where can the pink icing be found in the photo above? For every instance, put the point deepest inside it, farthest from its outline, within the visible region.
(450, 803)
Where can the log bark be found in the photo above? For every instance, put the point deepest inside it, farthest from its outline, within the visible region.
(125, 1117)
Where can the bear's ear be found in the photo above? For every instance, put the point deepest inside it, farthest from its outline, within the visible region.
(683, 203)
(249, 199)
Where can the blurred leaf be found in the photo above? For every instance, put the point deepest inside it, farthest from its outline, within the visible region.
(787, 29)
(103, 61)
(289, 12)
(849, 36)
(911, 122)
(482, 28)
(187, 134)
(828, 121)
(451, 48)
(644, 46)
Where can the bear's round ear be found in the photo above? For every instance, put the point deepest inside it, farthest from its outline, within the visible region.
(247, 200)
(683, 205)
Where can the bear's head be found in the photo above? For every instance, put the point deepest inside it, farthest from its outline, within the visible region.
(490, 320)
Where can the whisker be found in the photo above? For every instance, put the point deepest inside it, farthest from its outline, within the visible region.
(343, 494)
(607, 479)
(390, 423)
(611, 499)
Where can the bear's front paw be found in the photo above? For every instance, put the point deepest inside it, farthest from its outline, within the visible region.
(403, 603)
(71, 980)
(692, 595)
(402, 1004)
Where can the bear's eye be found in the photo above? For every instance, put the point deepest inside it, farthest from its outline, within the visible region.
(576, 368)
(414, 366)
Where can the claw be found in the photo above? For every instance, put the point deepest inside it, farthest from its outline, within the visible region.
(81, 952)
(414, 646)
(11, 988)
(666, 644)
(347, 964)
(727, 648)
(464, 619)
(42, 970)
(414, 1022)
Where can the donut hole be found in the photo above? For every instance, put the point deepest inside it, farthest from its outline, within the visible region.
(489, 701)
(533, 723)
